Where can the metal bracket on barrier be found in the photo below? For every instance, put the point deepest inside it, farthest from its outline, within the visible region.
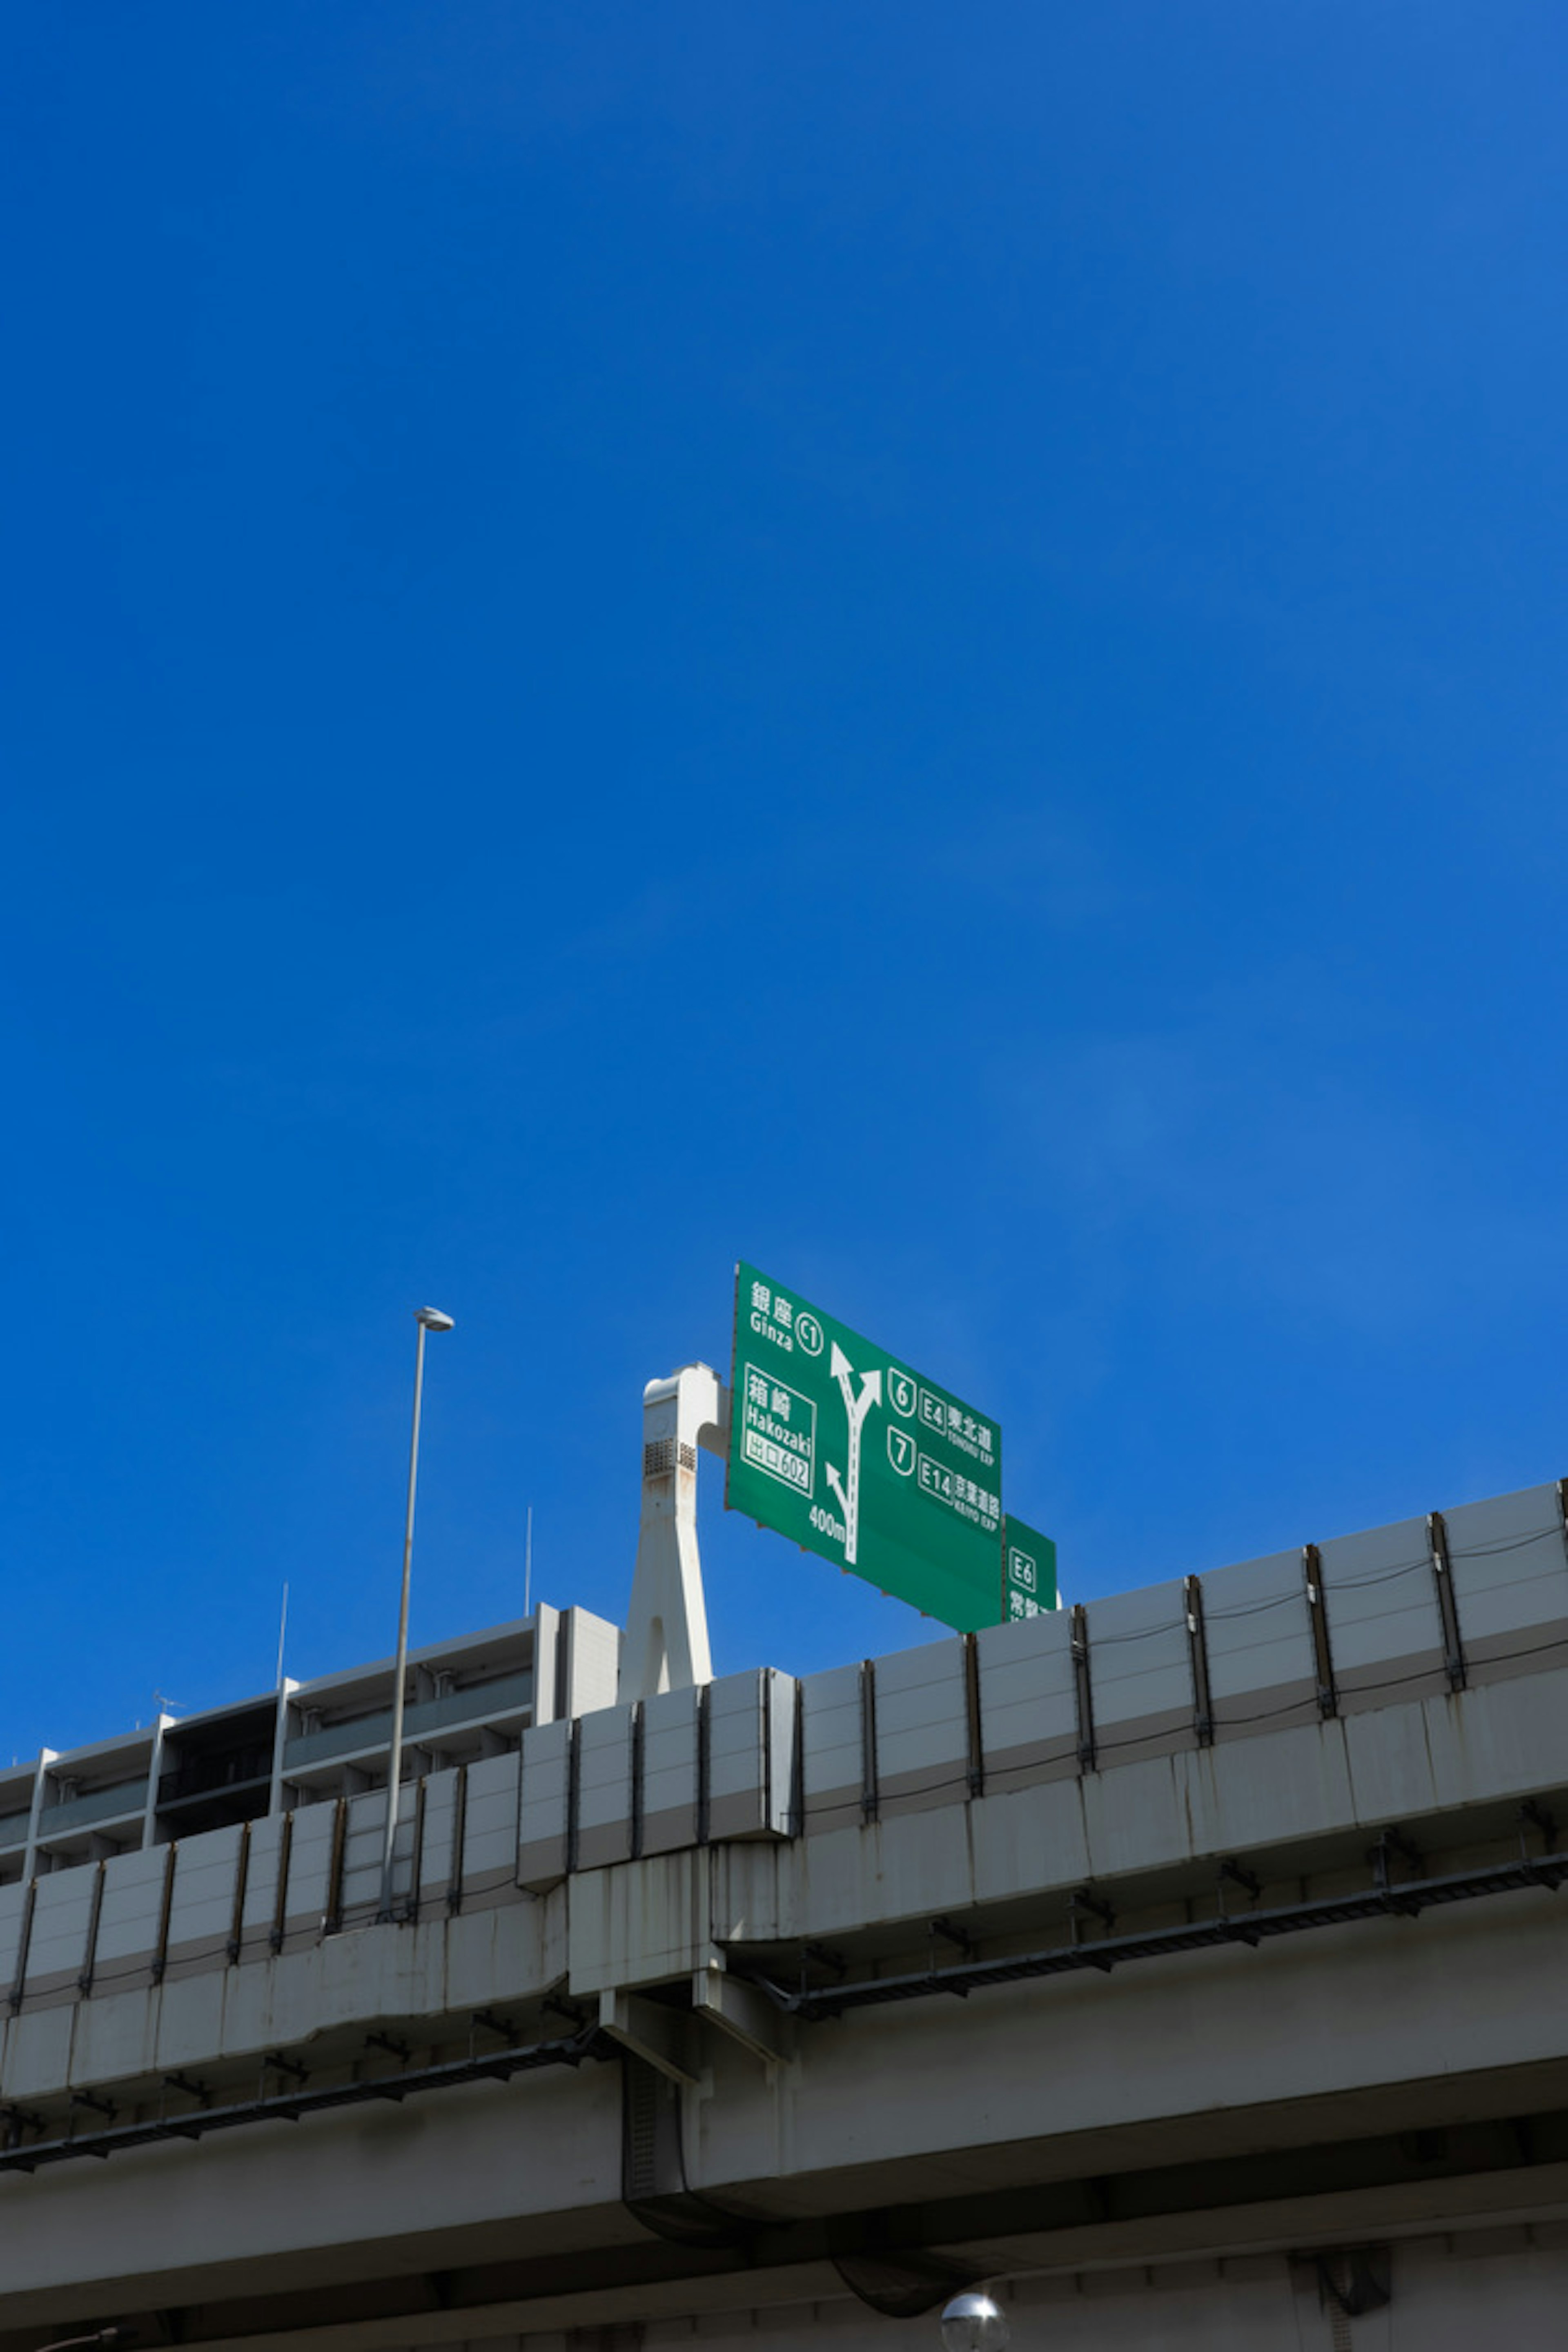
(165, 1912)
(637, 1751)
(1318, 1615)
(90, 1950)
(870, 1794)
(277, 1934)
(1447, 1608)
(24, 1944)
(975, 1738)
(1197, 1651)
(1082, 1690)
(459, 1841)
(241, 1879)
(332, 1917)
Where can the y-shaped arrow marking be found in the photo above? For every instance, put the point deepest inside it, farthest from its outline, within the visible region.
(847, 1488)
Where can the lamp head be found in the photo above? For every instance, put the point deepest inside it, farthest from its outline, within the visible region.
(972, 2323)
(432, 1318)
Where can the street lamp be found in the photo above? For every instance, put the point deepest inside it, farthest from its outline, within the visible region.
(972, 2323)
(429, 1319)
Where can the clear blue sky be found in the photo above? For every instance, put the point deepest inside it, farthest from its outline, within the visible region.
(924, 645)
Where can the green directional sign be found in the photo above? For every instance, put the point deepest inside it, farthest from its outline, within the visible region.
(1028, 1568)
(855, 1455)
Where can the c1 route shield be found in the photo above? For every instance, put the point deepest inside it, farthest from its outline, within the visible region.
(853, 1455)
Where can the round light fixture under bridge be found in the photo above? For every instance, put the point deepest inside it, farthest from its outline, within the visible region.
(972, 2323)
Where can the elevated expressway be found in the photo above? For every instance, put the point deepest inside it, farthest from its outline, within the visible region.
(1192, 1967)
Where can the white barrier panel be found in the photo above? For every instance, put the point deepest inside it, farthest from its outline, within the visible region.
(1140, 1673)
(604, 1788)
(833, 1748)
(363, 1846)
(490, 1829)
(543, 1818)
(751, 1766)
(129, 1919)
(1028, 1709)
(923, 1728)
(57, 1951)
(438, 1862)
(1263, 1673)
(13, 1906)
(309, 1875)
(259, 1913)
(1510, 1566)
(201, 1916)
(1385, 1630)
(669, 1771)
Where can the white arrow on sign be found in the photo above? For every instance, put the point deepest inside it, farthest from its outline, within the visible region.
(847, 1488)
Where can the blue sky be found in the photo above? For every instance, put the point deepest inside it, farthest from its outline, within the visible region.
(926, 646)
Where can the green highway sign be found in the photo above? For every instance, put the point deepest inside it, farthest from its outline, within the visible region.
(841, 1447)
(1028, 1570)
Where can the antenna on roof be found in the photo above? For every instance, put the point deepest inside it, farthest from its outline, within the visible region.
(282, 1630)
(528, 1565)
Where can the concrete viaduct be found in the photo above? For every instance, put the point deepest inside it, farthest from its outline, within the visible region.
(1189, 1967)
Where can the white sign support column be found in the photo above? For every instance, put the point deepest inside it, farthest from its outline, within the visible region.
(667, 1624)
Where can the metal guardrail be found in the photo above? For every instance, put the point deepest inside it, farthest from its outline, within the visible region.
(288, 2106)
(1388, 1898)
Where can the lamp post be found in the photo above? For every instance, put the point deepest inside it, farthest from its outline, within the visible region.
(428, 1318)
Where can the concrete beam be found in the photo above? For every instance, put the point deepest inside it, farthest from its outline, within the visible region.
(661, 2035)
(742, 2012)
